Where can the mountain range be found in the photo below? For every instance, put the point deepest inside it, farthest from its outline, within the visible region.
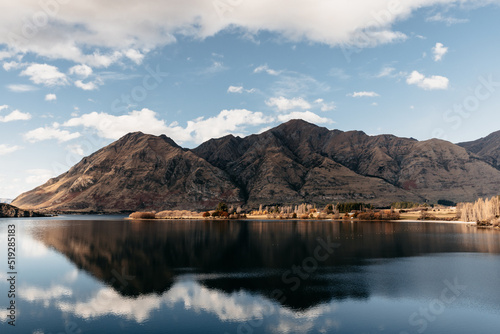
(292, 163)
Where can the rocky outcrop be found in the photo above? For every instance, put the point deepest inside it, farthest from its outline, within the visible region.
(293, 163)
(9, 211)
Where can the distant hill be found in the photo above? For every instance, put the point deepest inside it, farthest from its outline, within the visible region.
(5, 200)
(487, 148)
(292, 163)
(9, 211)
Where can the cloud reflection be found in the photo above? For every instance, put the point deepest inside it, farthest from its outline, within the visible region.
(192, 296)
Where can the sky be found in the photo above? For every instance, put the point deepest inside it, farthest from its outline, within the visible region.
(77, 75)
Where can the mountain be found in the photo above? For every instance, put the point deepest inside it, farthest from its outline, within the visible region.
(487, 148)
(5, 200)
(136, 172)
(301, 161)
(292, 163)
(9, 211)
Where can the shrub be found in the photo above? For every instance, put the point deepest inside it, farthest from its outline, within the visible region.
(224, 214)
(142, 215)
(206, 214)
(294, 215)
(216, 213)
(222, 207)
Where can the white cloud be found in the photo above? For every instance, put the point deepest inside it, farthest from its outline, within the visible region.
(306, 116)
(76, 149)
(145, 120)
(235, 89)
(50, 97)
(20, 88)
(44, 74)
(428, 83)
(439, 51)
(83, 71)
(12, 65)
(38, 176)
(6, 149)
(86, 85)
(284, 104)
(78, 28)
(265, 68)
(114, 127)
(325, 106)
(226, 122)
(48, 133)
(363, 94)
(15, 115)
(134, 55)
(449, 20)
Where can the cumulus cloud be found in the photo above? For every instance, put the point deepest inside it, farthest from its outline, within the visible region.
(50, 97)
(45, 74)
(306, 116)
(50, 132)
(75, 29)
(363, 94)
(12, 65)
(15, 115)
(439, 51)
(145, 120)
(283, 104)
(6, 149)
(83, 71)
(434, 82)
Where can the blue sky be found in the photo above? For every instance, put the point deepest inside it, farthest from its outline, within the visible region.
(77, 76)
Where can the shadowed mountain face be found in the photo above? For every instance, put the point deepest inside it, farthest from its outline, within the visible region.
(293, 163)
(301, 161)
(487, 148)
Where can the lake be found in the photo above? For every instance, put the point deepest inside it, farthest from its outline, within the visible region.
(104, 274)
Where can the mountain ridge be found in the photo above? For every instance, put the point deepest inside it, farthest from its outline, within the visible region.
(292, 163)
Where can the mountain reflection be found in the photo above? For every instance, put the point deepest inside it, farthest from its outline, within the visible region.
(147, 258)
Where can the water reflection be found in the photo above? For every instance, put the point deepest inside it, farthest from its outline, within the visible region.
(155, 253)
(221, 276)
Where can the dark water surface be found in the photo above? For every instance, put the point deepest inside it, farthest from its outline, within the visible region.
(108, 275)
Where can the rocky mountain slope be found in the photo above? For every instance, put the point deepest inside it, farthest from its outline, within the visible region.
(488, 148)
(136, 172)
(293, 163)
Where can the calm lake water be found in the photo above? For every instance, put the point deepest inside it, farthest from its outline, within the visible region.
(100, 274)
